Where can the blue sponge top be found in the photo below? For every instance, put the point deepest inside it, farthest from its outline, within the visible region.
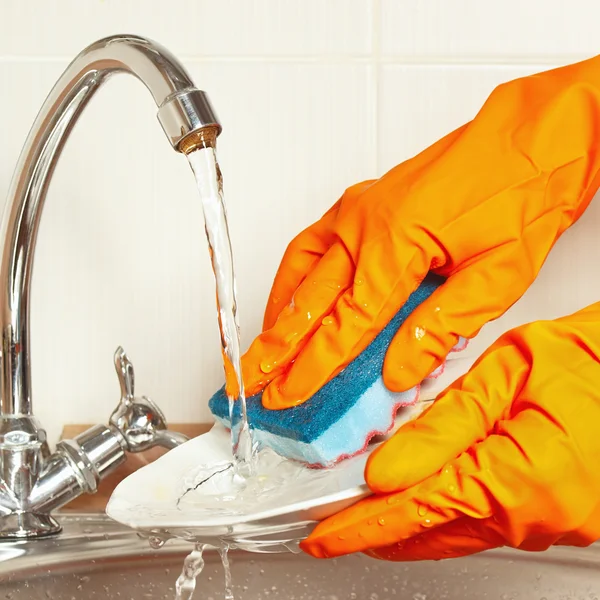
(308, 421)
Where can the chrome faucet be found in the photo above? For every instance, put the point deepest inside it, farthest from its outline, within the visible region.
(34, 482)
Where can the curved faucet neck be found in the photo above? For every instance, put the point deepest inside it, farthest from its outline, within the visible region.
(182, 110)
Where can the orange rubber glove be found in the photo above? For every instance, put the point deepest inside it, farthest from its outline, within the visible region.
(483, 207)
(506, 456)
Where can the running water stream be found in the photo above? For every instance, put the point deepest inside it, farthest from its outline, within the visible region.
(203, 162)
(193, 565)
(260, 477)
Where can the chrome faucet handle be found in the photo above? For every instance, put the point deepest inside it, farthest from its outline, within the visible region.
(126, 375)
(140, 422)
(78, 465)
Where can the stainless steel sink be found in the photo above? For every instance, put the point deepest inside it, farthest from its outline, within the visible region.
(96, 558)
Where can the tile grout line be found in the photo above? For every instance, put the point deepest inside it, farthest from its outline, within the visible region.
(217, 58)
(485, 61)
(375, 54)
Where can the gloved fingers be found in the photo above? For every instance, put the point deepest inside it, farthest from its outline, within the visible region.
(299, 259)
(462, 537)
(471, 297)
(304, 252)
(359, 314)
(272, 351)
(464, 414)
(490, 479)
(376, 522)
(338, 338)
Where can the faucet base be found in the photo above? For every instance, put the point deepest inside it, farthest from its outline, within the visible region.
(27, 525)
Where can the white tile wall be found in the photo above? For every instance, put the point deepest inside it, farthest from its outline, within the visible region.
(489, 31)
(191, 28)
(314, 95)
(418, 104)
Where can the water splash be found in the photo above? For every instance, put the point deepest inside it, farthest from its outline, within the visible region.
(224, 552)
(203, 162)
(192, 567)
(218, 490)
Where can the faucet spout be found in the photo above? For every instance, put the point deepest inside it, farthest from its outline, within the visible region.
(184, 112)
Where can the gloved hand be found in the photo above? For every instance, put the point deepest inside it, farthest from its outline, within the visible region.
(483, 207)
(506, 456)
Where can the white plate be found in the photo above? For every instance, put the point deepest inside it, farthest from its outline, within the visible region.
(148, 500)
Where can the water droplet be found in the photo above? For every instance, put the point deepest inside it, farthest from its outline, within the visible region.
(327, 321)
(290, 336)
(451, 488)
(267, 366)
(276, 300)
(341, 537)
(370, 521)
(381, 521)
(308, 316)
(437, 309)
(419, 333)
(422, 510)
(427, 523)
(358, 282)
(392, 500)
(156, 542)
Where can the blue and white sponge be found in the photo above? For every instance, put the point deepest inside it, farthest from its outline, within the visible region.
(341, 418)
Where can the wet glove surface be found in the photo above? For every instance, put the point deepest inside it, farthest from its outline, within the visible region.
(482, 207)
(506, 456)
